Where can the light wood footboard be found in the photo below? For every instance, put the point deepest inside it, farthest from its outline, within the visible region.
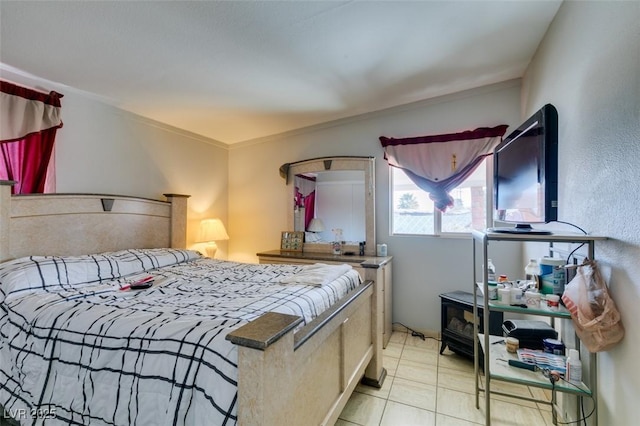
(306, 377)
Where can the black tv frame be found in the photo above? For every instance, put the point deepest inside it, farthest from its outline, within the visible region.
(547, 117)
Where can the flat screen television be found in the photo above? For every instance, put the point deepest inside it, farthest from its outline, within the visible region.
(525, 174)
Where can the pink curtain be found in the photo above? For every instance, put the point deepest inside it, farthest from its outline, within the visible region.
(439, 163)
(26, 160)
(309, 208)
(29, 121)
(308, 202)
(306, 196)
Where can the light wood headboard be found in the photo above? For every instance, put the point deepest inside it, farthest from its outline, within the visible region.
(74, 224)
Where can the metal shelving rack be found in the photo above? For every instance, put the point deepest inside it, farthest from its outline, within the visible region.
(495, 368)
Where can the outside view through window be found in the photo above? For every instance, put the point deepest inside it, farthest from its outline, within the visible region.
(414, 212)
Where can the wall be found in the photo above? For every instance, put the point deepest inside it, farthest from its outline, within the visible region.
(588, 66)
(103, 149)
(423, 267)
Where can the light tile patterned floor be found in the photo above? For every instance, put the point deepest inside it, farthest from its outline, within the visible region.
(424, 388)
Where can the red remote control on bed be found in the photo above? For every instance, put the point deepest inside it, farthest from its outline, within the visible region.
(142, 283)
(140, 286)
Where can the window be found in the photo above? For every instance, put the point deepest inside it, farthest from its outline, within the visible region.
(413, 212)
(452, 168)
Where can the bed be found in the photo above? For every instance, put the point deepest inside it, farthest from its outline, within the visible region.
(76, 349)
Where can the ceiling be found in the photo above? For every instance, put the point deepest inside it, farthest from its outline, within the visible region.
(239, 70)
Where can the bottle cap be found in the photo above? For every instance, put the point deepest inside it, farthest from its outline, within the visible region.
(574, 354)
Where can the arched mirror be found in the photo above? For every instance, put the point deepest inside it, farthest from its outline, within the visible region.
(332, 198)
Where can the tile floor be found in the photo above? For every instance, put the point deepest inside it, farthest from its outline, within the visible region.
(425, 388)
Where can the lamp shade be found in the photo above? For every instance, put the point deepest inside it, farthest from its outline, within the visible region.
(212, 230)
(315, 225)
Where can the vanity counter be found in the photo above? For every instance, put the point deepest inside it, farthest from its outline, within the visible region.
(376, 268)
(318, 257)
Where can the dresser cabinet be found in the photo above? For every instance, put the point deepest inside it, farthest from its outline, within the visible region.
(373, 268)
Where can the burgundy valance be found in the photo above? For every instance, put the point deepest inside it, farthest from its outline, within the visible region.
(479, 133)
(27, 111)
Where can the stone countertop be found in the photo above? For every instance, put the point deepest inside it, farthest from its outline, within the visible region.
(364, 261)
(264, 331)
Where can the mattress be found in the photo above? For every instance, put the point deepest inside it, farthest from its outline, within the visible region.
(77, 349)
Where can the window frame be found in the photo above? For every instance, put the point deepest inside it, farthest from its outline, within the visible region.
(437, 214)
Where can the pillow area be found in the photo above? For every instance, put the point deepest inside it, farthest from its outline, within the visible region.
(53, 273)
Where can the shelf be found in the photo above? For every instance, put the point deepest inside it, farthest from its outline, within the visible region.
(501, 370)
(560, 237)
(496, 357)
(561, 312)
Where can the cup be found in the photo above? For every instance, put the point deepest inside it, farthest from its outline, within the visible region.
(532, 299)
(337, 247)
(516, 296)
(512, 344)
(553, 302)
(504, 295)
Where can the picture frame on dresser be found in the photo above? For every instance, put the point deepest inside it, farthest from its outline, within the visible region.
(292, 241)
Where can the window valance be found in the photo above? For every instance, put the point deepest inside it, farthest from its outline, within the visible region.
(439, 163)
(26, 111)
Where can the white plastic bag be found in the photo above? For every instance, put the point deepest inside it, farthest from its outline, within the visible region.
(595, 317)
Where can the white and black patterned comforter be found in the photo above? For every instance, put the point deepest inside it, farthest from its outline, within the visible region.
(74, 349)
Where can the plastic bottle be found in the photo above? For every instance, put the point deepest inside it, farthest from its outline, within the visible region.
(574, 367)
(552, 275)
(532, 272)
(491, 271)
(493, 291)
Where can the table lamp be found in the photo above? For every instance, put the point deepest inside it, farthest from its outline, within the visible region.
(316, 225)
(212, 230)
(313, 231)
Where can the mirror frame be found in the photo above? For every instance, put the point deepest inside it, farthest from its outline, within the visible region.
(323, 164)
